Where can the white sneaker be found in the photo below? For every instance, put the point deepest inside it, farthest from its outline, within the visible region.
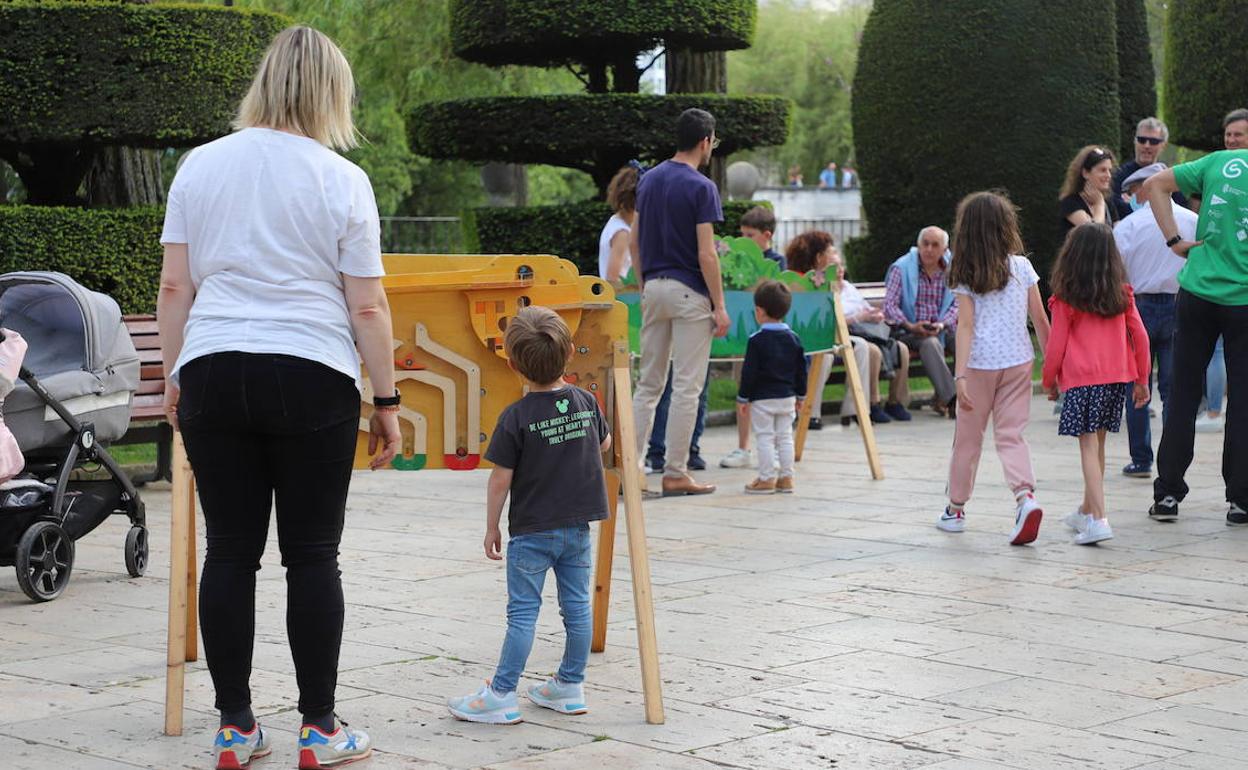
(1077, 520)
(951, 521)
(1026, 520)
(737, 458)
(1098, 530)
(1207, 424)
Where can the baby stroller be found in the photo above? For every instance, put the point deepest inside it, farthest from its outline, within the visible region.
(72, 397)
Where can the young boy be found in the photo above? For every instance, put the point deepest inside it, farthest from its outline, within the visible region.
(758, 224)
(547, 453)
(773, 383)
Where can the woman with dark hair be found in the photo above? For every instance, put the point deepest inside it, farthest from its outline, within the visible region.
(613, 257)
(811, 253)
(1085, 192)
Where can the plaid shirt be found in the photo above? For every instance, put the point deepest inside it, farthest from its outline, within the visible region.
(930, 293)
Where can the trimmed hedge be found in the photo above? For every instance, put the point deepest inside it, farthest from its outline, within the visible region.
(124, 74)
(596, 133)
(1204, 77)
(556, 32)
(965, 95)
(115, 251)
(1137, 81)
(570, 231)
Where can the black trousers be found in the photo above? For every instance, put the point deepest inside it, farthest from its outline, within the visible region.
(260, 428)
(1198, 325)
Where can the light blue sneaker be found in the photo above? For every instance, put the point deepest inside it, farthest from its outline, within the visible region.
(559, 696)
(486, 706)
(234, 749)
(318, 749)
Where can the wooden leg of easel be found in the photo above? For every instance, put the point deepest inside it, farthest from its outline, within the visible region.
(179, 563)
(602, 568)
(853, 386)
(814, 383)
(192, 582)
(638, 558)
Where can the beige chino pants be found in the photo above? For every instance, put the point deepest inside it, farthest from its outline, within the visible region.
(676, 330)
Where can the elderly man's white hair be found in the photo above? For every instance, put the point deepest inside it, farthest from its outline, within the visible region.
(944, 236)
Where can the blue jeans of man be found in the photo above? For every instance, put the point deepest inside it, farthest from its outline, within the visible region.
(1215, 379)
(1157, 313)
(529, 557)
(658, 449)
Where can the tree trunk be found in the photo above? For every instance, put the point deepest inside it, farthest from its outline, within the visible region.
(51, 173)
(125, 176)
(693, 72)
(625, 77)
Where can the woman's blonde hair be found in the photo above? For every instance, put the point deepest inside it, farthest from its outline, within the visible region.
(1085, 160)
(304, 84)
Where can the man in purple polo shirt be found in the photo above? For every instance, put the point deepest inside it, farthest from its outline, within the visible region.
(682, 296)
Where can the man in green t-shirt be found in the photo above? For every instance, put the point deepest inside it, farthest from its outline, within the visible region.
(1212, 302)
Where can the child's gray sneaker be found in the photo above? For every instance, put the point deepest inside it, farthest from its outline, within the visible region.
(234, 749)
(559, 696)
(486, 706)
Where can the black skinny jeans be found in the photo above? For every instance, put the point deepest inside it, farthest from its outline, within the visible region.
(1199, 323)
(258, 428)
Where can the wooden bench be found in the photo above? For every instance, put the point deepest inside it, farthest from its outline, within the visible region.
(147, 412)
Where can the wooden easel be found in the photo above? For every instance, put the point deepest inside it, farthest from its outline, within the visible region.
(627, 475)
(183, 621)
(853, 383)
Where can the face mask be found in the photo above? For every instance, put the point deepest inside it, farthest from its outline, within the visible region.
(1136, 205)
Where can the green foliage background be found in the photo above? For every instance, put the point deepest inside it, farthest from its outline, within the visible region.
(1205, 75)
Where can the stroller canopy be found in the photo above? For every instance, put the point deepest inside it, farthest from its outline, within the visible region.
(66, 325)
(79, 350)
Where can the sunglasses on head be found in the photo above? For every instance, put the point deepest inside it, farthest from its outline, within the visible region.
(1153, 140)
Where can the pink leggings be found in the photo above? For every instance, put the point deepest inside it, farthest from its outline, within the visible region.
(1005, 394)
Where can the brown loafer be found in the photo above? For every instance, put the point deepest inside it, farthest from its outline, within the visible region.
(685, 485)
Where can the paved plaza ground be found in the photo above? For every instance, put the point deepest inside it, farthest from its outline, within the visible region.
(836, 628)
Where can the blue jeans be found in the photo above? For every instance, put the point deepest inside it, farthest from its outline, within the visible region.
(1215, 380)
(529, 556)
(658, 434)
(1157, 313)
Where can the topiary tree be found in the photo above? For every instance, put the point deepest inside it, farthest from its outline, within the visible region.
(79, 78)
(1137, 80)
(600, 40)
(963, 95)
(1204, 71)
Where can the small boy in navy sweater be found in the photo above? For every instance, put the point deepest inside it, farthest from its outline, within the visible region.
(773, 382)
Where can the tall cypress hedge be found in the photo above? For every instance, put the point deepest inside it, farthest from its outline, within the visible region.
(1205, 73)
(1137, 80)
(963, 95)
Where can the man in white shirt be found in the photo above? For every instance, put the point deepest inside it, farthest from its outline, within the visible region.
(1152, 269)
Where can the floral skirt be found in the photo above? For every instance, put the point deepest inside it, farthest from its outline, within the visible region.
(1090, 408)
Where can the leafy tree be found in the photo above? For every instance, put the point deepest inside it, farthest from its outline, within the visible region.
(1204, 73)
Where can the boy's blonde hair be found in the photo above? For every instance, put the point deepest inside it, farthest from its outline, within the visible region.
(537, 341)
(304, 84)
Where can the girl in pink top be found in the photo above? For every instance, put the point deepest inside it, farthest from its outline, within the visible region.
(1098, 347)
(996, 291)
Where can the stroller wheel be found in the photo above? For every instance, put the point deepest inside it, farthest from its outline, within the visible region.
(136, 551)
(45, 557)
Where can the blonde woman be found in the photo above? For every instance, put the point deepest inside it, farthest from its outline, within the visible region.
(270, 294)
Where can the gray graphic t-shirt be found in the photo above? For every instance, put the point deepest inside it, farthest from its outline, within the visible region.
(551, 440)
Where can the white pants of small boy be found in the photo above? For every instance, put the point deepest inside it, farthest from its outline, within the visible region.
(772, 421)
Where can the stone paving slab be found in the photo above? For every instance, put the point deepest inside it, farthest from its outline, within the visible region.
(835, 628)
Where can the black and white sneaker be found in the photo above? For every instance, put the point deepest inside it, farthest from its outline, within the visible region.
(1236, 516)
(1165, 509)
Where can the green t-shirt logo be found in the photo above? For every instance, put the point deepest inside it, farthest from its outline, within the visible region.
(562, 405)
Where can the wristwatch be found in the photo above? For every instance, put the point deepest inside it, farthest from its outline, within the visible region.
(1171, 241)
(387, 400)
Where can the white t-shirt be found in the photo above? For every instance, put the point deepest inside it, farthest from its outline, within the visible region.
(271, 221)
(1001, 338)
(1151, 266)
(615, 224)
(852, 301)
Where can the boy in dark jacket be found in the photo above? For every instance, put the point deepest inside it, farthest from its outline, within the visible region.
(773, 382)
